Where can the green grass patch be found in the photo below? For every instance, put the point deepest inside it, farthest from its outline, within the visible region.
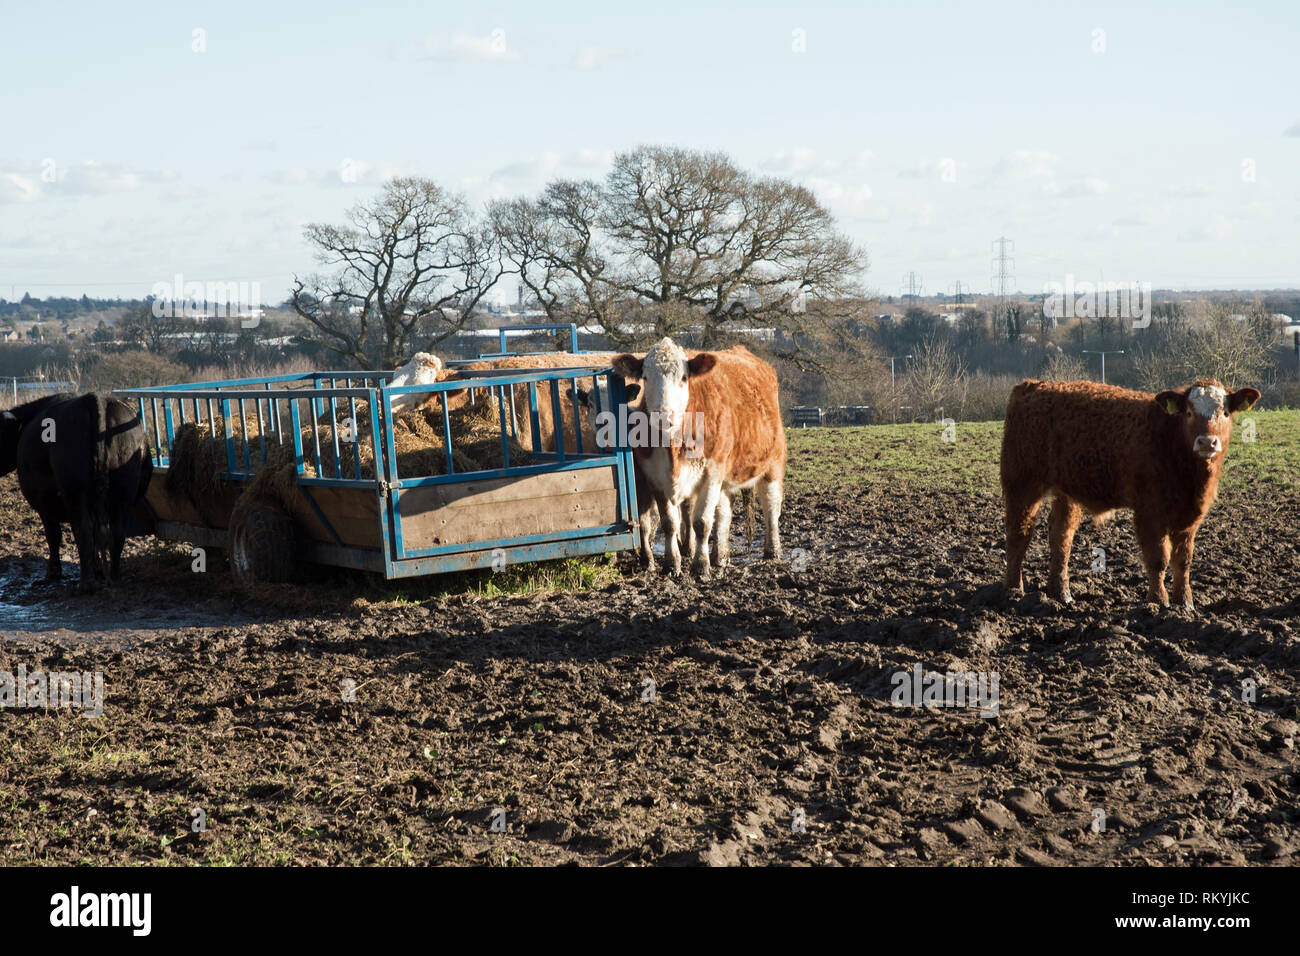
(566, 574)
(917, 456)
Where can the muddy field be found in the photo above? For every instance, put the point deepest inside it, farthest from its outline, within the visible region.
(645, 721)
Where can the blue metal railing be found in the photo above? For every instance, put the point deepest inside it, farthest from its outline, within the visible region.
(541, 327)
(311, 402)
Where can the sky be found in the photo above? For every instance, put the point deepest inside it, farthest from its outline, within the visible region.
(1145, 142)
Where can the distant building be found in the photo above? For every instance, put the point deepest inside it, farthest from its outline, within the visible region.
(9, 335)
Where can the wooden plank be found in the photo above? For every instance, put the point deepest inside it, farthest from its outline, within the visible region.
(353, 513)
(499, 508)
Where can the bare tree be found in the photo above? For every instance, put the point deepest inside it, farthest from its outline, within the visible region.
(1211, 341)
(1059, 367)
(678, 238)
(149, 331)
(407, 271)
(936, 378)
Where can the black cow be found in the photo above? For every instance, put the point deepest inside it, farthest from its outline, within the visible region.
(82, 460)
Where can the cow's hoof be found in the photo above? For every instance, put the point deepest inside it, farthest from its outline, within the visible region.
(703, 572)
(1063, 596)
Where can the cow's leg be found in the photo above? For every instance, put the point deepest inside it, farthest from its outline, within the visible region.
(1154, 543)
(1066, 515)
(706, 509)
(54, 541)
(83, 531)
(646, 519)
(1184, 543)
(770, 493)
(648, 510)
(1022, 512)
(688, 529)
(119, 540)
(722, 552)
(672, 517)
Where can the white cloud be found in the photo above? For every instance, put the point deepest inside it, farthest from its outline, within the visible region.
(852, 199)
(1292, 130)
(1075, 188)
(548, 164)
(293, 176)
(594, 57)
(800, 159)
(15, 187)
(1218, 229)
(1024, 165)
(1188, 190)
(472, 47)
(89, 177)
(348, 172)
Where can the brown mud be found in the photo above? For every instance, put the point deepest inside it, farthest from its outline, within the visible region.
(744, 720)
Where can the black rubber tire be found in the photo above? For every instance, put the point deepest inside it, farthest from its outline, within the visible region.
(262, 544)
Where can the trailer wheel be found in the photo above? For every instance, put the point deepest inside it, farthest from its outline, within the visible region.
(261, 544)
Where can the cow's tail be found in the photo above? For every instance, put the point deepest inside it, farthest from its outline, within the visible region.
(99, 484)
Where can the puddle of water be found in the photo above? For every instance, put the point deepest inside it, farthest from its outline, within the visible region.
(29, 607)
(742, 552)
(23, 617)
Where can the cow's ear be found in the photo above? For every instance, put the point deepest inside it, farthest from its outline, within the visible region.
(1242, 399)
(631, 392)
(701, 364)
(629, 366)
(1171, 401)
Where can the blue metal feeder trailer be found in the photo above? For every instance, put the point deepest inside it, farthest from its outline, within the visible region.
(560, 502)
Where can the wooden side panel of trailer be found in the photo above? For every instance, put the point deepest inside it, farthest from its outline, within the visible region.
(494, 509)
(431, 516)
(352, 512)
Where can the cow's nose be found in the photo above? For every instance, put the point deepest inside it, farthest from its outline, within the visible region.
(1208, 444)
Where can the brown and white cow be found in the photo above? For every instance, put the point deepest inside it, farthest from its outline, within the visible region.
(423, 369)
(597, 403)
(1097, 448)
(716, 429)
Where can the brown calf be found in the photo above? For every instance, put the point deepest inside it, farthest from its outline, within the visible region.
(1097, 448)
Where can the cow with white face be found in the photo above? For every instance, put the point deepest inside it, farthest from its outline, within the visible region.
(1096, 448)
(423, 369)
(1205, 416)
(714, 428)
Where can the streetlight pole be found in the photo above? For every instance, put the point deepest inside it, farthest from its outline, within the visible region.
(891, 368)
(1103, 355)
